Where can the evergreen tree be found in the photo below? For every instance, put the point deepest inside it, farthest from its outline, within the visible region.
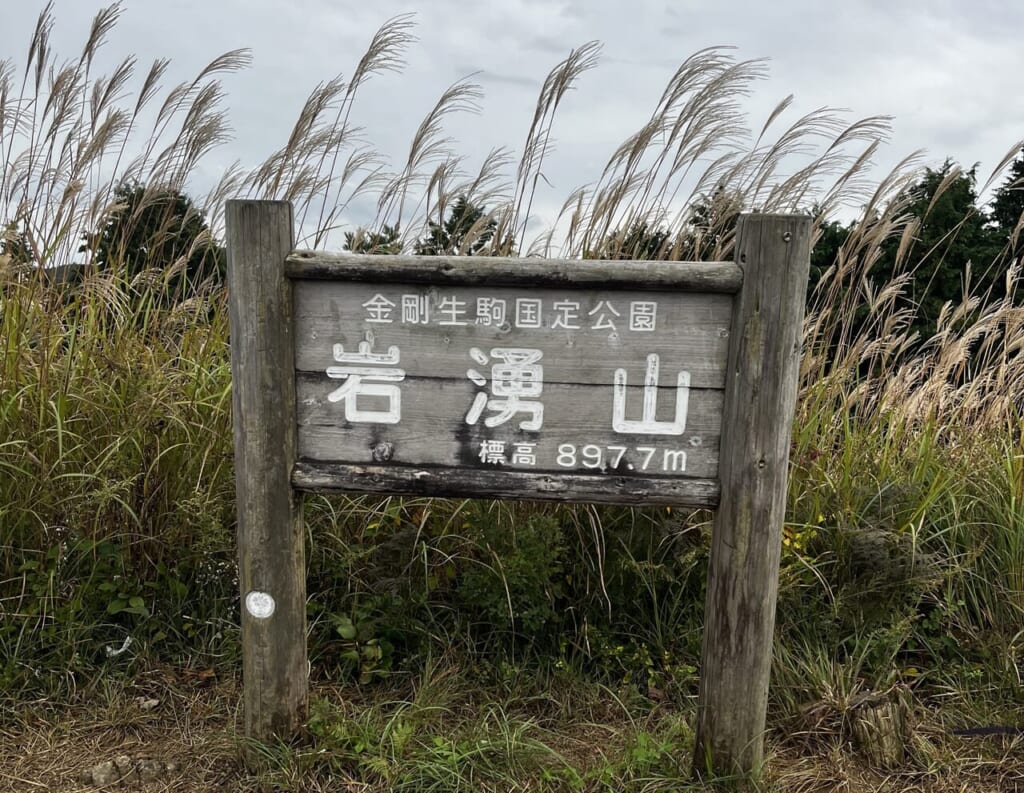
(1007, 208)
(639, 241)
(832, 236)
(704, 237)
(464, 232)
(385, 241)
(157, 229)
(952, 235)
(14, 243)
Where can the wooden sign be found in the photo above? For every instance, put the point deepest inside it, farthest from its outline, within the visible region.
(445, 389)
(615, 382)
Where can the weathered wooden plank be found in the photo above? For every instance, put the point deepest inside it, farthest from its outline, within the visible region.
(686, 331)
(270, 534)
(577, 434)
(451, 482)
(764, 358)
(723, 277)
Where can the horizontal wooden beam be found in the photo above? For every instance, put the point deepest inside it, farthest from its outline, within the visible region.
(719, 277)
(447, 482)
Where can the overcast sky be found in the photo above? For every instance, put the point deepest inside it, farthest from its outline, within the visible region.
(947, 70)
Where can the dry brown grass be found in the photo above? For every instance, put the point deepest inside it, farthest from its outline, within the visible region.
(993, 770)
(46, 745)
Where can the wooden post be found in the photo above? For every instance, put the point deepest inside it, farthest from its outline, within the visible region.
(743, 578)
(271, 563)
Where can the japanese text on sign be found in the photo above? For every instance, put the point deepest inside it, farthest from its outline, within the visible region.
(578, 380)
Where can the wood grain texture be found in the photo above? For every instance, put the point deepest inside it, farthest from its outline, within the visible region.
(270, 532)
(689, 334)
(691, 331)
(723, 277)
(433, 430)
(401, 480)
(764, 357)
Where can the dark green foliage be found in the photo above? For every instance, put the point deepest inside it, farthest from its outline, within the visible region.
(516, 584)
(704, 236)
(81, 604)
(637, 241)
(711, 223)
(385, 241)
(953, 246)
(468, 231)
(952, 237)
(655, 565)
(15, 244)
(155, 228)
(389, 580)
(1007, 208)
(825, 253)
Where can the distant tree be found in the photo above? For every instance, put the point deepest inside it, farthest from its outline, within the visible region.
(825, 253)
(467, 231)
(1007, 208)
(639, 240)
(15, 244)
(153, 228)
(385, 241)
(952, 234)
(710, 226)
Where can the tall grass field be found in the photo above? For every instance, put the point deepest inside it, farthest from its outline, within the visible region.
(474, 645)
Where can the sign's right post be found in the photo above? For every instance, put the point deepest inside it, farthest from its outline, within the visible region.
(743, 577)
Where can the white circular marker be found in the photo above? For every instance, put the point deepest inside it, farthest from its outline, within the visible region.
(260, 604)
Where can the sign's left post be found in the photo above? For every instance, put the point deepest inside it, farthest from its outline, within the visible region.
(271, 556)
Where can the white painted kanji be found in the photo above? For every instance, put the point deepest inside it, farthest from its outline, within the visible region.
(648, 425)
(415, 309)
(492, 452)
(452, 311)
(491, 310)
(516, 380)
(378, 309)
(643, 315)
(524, 454)
(604, 311)
(529, 312)
(567, 314)
(373, 369)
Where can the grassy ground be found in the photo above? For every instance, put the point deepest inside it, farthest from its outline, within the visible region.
(437, 733)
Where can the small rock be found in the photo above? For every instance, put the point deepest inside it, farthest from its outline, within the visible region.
(125, 768)
(104, 774)
(149, 769)
(145, 703)
(172, 766)
(85, 776)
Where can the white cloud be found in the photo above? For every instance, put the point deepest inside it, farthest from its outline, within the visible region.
(947, 71)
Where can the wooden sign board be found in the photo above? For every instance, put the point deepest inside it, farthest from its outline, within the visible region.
(465, 383)
(615, 382)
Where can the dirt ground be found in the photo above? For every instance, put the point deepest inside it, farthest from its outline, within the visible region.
(187, 725)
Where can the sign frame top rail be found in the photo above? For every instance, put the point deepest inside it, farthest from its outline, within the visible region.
(706, 277)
